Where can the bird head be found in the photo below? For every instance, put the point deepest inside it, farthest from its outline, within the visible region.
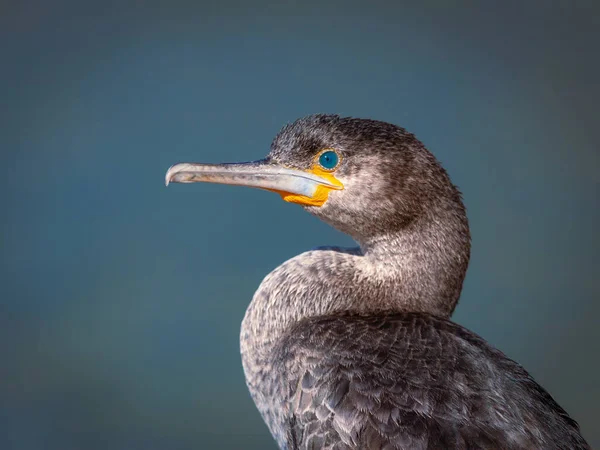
(364, 177)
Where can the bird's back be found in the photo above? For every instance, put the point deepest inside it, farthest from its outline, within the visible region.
(407, 381)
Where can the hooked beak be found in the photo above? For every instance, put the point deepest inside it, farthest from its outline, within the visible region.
(305, 187)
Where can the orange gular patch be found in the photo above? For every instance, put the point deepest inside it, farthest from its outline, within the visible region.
(321, 193)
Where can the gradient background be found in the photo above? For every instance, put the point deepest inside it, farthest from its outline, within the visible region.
(121, 300)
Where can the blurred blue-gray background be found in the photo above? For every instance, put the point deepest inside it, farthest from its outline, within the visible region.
(121, 300)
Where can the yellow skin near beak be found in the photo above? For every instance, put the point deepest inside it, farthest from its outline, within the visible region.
(321, 192)
(304, 187)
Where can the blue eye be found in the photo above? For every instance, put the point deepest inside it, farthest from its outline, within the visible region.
(329, 160)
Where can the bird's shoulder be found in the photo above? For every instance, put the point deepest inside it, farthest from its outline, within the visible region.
(410, 381)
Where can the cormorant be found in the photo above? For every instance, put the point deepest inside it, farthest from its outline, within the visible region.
(352, 348)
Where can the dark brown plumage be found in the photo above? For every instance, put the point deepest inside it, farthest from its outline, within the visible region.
(410, 381)
(353, 348)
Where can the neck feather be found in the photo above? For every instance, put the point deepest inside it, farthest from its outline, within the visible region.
(420, 268)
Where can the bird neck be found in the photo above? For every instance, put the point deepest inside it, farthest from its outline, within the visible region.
(418, 269)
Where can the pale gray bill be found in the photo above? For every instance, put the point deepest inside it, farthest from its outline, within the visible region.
(259, 174)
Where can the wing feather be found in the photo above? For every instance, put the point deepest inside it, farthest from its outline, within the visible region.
(411, 381)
